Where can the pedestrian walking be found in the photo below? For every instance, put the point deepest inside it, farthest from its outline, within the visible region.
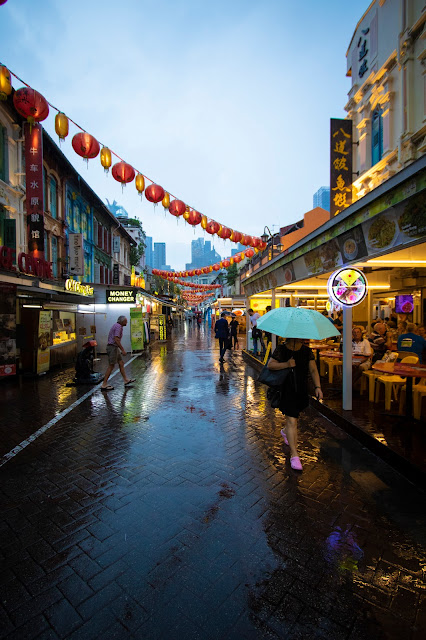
(234, 333)
(115, 351)
(222, 333)
(256, 333)
(295, 354)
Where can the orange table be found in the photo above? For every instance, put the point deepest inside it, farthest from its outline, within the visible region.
(318, 347)
(408, 371)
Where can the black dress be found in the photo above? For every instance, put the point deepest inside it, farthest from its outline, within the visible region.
(295, 397)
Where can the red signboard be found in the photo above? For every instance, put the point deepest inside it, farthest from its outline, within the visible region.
(34, 187)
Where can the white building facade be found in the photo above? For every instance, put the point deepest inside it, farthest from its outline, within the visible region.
(386, 60)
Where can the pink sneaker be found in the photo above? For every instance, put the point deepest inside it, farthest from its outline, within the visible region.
(284, 436)
(296, 464)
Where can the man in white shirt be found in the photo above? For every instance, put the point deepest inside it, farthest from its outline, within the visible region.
(256, 333)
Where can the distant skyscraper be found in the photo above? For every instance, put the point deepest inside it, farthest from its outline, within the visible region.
(159, 255)
(202, 254)
(322, 198)
(149, 255)
(240, 247)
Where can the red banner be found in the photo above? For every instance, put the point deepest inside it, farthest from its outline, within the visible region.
(34, 186)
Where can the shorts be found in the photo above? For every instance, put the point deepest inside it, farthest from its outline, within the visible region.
(113, 353)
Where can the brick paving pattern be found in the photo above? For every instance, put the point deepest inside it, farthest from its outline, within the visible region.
(169, 510)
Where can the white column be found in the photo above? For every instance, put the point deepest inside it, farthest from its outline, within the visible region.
(347, 358)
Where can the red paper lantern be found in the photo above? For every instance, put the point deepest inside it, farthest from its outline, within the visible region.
(154, 193)
(246, 240)
(225, 233)
(177, 208)
(256, 242)
(191, 273)
(226, 263)
(237, 258)
(197, 272)
(236, 236)
(216, 267)
(30, 104)
(249, 253)
(205, 269)
(194, 217)
(212, 227)
(85, 145)
(263, 246)
(123, 172)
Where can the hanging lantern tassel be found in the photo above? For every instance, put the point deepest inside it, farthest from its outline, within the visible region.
(140, 184)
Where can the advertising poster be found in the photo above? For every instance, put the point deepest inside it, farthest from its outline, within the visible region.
(43, 351)
(7, 330)
(137, 329)
(162, 333)
(352, 244)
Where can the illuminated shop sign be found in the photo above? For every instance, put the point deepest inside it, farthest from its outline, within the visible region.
(347, 287)
(120, 296)
(78, 287)
(26, 263)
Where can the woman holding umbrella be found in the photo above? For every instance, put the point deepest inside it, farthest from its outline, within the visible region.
(295, 354)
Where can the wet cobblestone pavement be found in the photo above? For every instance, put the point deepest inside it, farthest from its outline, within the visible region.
(169, 510)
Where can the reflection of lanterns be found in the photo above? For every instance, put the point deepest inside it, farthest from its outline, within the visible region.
(61, 125)
(177, 208)
(154, 193)
(85, 145)
(106, 158)
(140, 184)
(249, 253)
(30, 104)
(5, 83)
(123, 172)
(212, 227)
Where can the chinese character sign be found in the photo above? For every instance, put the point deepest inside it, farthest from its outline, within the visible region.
(76, 254)
(340, 165)
(34, 181)
(162, 332)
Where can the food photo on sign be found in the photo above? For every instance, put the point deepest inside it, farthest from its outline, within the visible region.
(352, 244)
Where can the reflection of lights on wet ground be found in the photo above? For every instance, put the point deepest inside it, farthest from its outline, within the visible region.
(64, 394)
(343, 550)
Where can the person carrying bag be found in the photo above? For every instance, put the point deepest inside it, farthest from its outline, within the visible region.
(222, 334)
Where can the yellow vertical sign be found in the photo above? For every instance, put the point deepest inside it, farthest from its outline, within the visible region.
(268, 351)
(162, 333)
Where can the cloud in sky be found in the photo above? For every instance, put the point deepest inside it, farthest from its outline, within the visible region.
(225, 104)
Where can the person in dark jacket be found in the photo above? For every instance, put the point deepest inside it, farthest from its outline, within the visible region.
(222, 333)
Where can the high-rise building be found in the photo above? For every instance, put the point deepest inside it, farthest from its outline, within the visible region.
(202, 254)
(240, 247)
(159, 255)
(149, 254)
(322, 198)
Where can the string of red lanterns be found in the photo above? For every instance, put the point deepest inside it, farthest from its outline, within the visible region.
(223, 264)
(35, 108)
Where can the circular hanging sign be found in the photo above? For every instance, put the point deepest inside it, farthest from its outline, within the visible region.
(347, 286)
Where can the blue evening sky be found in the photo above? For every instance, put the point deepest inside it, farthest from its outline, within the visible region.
(226, 104)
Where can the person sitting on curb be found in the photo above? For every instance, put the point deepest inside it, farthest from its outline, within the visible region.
(115, 351)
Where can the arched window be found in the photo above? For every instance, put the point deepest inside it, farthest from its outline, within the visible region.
(376, 136)
(53, 197)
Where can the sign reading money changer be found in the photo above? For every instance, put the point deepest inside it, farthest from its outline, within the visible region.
(120, 296)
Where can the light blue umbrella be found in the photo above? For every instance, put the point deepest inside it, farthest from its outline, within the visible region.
(297, 322)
